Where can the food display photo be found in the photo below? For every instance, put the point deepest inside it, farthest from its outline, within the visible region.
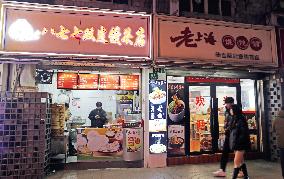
(99, 142)
(158, 142)
(176, 140)
(176, 104)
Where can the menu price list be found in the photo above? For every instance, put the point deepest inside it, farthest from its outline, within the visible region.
(67, 80)
(109, 82)
(88, 81)
(129, 82)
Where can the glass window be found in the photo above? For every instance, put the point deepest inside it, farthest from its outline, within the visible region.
(120, 1)
(199, 106)
(198, 6)
(184, 5)
(213, 7)
(248, 95)
(226, 8)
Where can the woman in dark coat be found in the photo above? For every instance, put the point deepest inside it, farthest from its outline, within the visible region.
(239, 140)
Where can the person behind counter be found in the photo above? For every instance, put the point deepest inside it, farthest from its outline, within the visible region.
(98, 116)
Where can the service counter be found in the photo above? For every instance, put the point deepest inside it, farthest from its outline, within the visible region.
(114, 143)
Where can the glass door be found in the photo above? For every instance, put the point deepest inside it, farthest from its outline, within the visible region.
(200, 118)
(221, 93)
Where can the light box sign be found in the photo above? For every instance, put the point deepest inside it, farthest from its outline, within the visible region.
(182, 38)
(73, 32)
(158, 116)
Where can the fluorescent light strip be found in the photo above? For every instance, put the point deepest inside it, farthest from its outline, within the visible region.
(78, 55)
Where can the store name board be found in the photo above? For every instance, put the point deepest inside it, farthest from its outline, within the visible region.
(192, 40)
(93, 34)
(157, 116)
(96, 81)
(190, 79)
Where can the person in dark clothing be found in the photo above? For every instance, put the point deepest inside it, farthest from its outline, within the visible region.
(229, 101)
(239, 140)
(98, 116)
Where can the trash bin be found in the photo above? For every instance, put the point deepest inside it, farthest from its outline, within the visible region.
(133, 144)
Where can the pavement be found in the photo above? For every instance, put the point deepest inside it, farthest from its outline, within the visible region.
(258, 169)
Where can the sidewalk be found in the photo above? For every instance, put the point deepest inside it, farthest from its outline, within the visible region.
(258, 169)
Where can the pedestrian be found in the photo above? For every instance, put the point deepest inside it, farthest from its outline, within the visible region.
(98, 116)
(278, 127)
(229, 101)
(239, 140)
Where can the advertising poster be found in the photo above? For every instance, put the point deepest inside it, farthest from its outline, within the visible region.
(158, 142)
(157, 116)
(99, 143)
(176, 103)
(134, 140)
(176, 140)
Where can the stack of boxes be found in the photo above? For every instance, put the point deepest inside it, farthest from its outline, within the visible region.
(57, 119)
(24, 134)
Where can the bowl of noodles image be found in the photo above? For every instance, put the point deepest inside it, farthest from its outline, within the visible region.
(176, 109)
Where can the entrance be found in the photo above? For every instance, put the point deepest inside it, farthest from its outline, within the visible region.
(206, 112)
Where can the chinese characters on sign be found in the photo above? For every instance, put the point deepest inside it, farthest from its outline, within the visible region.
(199, 100)
(133, 140)
(157, 115)
(116, 35)
(67, 80)
(242, 42)
(187, 37)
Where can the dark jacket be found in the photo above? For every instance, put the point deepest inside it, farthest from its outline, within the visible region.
(100, 120)
(239, 135)
(227, 123)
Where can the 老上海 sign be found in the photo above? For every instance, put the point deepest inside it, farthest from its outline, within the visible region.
(73, 32)
(184, 38)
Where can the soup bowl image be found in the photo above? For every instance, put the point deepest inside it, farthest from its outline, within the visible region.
(176, 110)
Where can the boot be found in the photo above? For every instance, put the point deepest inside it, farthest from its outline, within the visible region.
(235, 173)
(245, 171)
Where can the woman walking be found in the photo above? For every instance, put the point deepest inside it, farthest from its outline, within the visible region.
(239, 140)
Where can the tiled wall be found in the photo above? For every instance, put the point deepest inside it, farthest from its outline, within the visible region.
(273, 104)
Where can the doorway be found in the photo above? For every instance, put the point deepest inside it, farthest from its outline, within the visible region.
(206, 114)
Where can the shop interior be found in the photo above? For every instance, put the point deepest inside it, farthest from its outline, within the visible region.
(93, 115)
(204, 131)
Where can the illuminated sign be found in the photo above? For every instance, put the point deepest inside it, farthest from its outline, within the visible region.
(83, 33)
(195, 39)
(67, 80)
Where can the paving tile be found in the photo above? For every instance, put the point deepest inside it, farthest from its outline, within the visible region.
(258, 169)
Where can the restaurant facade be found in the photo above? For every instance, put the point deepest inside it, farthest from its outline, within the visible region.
(161, 81)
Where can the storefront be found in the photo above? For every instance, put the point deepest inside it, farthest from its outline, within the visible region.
(86, 59)
(205, 62)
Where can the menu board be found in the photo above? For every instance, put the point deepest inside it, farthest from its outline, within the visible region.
(67, 80)
(109, 82)
(88, 81)
(129, 82)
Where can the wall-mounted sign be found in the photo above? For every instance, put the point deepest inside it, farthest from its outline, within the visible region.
(129, 82)
(176, 140)
(176, 103)
(214, 41)
(158, 142)
(67, 80)
(191, 79)
(157, 116)
(109, 82)
(72, 32)
(88, 81)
